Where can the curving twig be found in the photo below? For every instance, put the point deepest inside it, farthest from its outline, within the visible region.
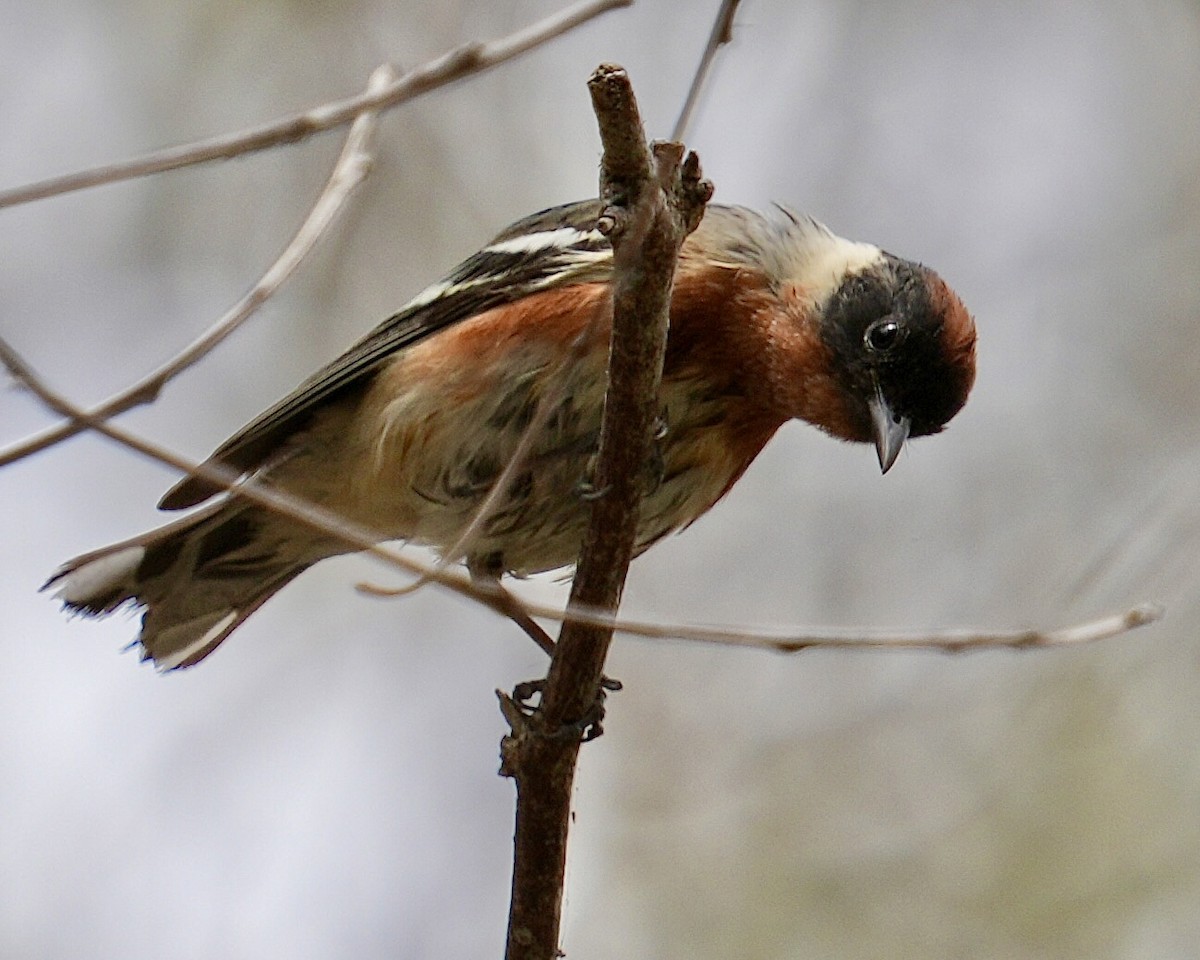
(722, 33)
(958, 640)
(290, 506)
(461, 62)
(351, 169)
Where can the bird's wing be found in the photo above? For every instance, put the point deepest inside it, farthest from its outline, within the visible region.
(554, 248)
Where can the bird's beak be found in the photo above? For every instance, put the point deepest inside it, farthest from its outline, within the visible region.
(890, 431)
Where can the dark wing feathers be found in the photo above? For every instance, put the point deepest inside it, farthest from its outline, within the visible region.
(487, 279)
(581, 215)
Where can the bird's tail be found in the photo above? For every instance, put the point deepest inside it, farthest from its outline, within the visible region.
(197, 579)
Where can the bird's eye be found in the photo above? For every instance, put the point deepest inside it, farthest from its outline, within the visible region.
(882, 335)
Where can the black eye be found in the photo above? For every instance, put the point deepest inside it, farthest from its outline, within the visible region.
(882, 335)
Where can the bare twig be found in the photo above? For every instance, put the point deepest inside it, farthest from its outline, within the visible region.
(652, 202)
(954, 640)
(348, 173)
(946, 641)
(295, 508)
(722, 33)
(463, 61)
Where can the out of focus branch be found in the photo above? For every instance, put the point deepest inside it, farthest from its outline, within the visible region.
(721, 34)
(652, 202)
(348, 173)
(461, 62)
(290, 506)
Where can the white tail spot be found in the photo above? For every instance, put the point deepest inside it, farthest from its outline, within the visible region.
(100, 576)
(190, 649)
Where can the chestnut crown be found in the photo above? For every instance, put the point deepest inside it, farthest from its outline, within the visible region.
(903, 346)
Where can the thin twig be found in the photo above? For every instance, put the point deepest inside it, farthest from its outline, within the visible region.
(722, 33)
(348, 173)
(946, 641)
(295, 508)
(463, 61)
(953, 640)
(654, 199)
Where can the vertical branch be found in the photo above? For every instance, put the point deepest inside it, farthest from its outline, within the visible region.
(653, 199)
(464, 61)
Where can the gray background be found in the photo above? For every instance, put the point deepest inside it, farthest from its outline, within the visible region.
(325, 785)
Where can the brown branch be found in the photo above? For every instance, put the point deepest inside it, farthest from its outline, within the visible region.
(722, 33)
(652, 202)
(471, 58)
(348, 173)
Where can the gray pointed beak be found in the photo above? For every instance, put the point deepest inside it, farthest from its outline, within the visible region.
(890, 431)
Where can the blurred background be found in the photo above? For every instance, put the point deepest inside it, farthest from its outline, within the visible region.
(325, 785)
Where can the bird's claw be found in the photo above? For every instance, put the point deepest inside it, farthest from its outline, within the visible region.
(586, 728)
(526, 691)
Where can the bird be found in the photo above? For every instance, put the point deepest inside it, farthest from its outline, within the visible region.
(773, 317)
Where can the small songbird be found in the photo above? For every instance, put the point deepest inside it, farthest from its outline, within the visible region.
(772, 317)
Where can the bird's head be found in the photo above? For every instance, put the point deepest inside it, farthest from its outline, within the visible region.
(860, 343)
(901, 347)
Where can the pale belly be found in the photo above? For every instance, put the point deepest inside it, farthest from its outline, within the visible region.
(438, 464)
